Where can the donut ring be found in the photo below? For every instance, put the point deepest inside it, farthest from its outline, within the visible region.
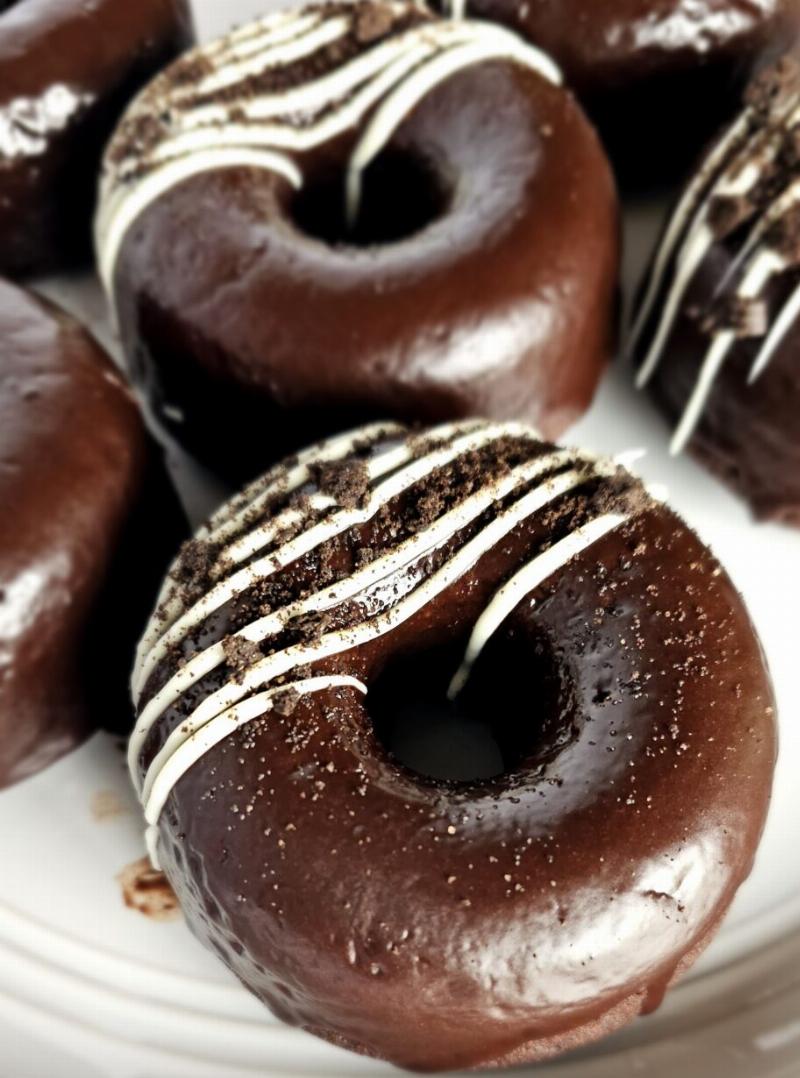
(67, 68)
(657, 76)
(238, 319)
(446, 924)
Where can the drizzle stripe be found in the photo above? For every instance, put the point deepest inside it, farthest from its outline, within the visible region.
(783, 323)
(686, 208)
(201, 742)
(253, 499)
(176, 172)
(523, 583)
(766, 265)
(280, 53)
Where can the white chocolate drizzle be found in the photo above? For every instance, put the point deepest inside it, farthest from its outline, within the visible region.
(379, 596)
(242, 110)
(744, 161)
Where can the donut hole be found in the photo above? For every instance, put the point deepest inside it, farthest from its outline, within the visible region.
(516, 711)
(401, 195)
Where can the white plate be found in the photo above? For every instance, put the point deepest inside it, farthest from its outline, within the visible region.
(92, 989)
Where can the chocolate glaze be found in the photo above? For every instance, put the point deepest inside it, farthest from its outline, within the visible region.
(74, 459)
(67, 69)
(252, 337)
(657, 76)
(746, 430)
(440, 924)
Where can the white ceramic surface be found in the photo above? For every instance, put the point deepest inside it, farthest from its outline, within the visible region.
(91, 989)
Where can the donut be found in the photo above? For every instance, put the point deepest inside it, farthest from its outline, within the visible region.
(301, 232)
(475, 570)
(717, 332)
(81, 488)
(657, 76)
(67, 69)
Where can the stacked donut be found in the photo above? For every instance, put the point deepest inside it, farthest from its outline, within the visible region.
(373, 217)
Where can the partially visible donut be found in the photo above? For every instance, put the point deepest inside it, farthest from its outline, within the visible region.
(67, 69)
(87, 521)
(657, 76)
(446, 924)
(478, 275)
(717, 336)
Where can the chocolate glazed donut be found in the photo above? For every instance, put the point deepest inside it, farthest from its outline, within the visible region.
(717, 333)
(476, 273)
(80, 487)
(439, 923)
(67, 69)
(657, 76)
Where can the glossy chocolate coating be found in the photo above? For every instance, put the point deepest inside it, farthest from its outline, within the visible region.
(260, 338)
(657, 76)
(443, 925)
(67, 70)
(77, 572)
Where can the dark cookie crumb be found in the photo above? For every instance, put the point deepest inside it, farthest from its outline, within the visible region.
(285, 702)
(372, 22)
(345, 481)
(240, 655)
(747, 318)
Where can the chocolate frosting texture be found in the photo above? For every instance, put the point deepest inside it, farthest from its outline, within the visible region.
(67, 69)
(447, 924)
(74, 459)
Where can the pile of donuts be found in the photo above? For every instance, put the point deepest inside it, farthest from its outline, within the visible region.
(392, 232)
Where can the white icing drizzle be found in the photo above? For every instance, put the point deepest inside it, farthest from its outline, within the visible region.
(388, 590)
(205, 739)
(783, 323)
(232, 515)
(455, 9)
(376, 89)
(734, 169)
(684, 212)
(523, 583)
(765, 267)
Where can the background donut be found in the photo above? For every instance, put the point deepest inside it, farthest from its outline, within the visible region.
(443, 923)
(657, 76)
(67, 69)
(480, 275)
(80, 487)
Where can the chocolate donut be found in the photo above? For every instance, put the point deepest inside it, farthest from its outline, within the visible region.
(657, 76)
(452, 923)
(717, 338)
(301, 231)
(67, 69)
(80, 487)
